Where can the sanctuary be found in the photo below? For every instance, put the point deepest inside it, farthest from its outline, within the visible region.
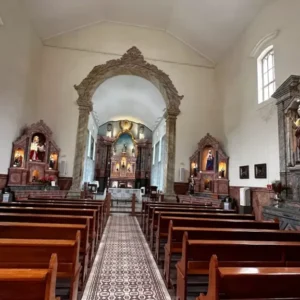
(123, 159)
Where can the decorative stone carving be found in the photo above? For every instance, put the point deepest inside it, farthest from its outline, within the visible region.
(131, 63)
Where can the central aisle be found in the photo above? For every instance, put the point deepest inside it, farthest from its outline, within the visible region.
(124, 267)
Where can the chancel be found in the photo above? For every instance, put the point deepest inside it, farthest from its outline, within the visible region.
(149, 149)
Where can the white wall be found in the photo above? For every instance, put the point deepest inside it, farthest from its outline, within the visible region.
(20, 61)
(250, 130)
(69, 58)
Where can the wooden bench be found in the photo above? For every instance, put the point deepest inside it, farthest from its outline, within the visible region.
(54, 204)
(28, 284)
(146, 205)
(178, 209)
(98, 203)
(251, 283)
(164, 221)
(54, 219)
(59, 211)
(173, 247)
(106, 203)
(16, 230)
(196, 255)
(210, 215)
(34, 254)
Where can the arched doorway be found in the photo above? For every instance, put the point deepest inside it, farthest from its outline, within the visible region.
(131, 63)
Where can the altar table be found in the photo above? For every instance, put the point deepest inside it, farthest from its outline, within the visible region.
(125, 194)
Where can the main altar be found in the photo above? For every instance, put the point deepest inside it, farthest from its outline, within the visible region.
(209, 167)
(123, 157)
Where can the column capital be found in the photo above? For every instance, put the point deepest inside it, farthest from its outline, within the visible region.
(172, 113)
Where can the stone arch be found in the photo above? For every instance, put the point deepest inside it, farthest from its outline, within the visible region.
(131, 63)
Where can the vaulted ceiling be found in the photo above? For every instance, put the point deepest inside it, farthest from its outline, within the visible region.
(128, 97)
(208, 26)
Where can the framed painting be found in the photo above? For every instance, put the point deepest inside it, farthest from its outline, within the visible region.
(260, 171)
(244, 172)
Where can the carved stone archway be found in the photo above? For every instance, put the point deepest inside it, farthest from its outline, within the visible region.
(131, 63)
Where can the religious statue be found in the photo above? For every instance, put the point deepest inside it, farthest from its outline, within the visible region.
(124, 148)
(296, 126)
(35, 149)
(133, 152)
(192, 184)
(18, 160)
(52, 162)
(209, 161)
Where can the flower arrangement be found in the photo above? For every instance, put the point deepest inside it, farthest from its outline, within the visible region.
(46, 180)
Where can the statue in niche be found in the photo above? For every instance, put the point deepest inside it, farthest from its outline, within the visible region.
(18, 160)
(52, 162)
(133, 152)
(36, 149)
(209, 161)
(124, 150)
(296, 126)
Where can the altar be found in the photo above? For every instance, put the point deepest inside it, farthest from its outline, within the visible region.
(124, 194)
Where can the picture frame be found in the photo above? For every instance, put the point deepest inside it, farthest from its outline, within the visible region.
(260, 171)
(244, 172)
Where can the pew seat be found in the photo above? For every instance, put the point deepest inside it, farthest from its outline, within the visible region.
(251, 283)
(173, 246)
(34, 254)
(48, 231)
(29, 284)
(196, 255)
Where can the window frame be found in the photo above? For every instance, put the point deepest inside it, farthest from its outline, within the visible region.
(261, 72)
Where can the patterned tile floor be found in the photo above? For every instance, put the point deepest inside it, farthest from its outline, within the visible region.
(124, 267)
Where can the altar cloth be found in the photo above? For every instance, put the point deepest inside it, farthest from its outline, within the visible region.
(125, 194)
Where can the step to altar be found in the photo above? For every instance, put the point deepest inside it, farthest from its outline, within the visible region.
(33, 188)
(209, 195)
(49, 194)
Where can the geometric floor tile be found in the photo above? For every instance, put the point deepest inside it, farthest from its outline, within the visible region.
(124, 267)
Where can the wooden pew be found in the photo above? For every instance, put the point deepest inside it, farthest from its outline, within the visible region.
(55, 204)
(28, 284)
(215, 215)
(106, 202)
(196, 255)
(163, 225)
(178, 209)
(54, 219)
(173, 247)
(59, 211)
(146, 205)
(48, 231)
(251, 283)
(34, 254)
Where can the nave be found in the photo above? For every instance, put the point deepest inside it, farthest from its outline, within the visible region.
(124, 267)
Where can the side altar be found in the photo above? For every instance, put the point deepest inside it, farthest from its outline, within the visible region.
(209, 167)
(287, 207)
(34, 157)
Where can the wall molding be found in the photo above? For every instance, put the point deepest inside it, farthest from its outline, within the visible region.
(263, 42)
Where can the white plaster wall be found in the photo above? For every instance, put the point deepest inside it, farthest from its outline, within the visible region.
(20, 61)
(250, 130)
(64, 64)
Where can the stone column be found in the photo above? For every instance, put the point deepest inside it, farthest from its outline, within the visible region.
(83, 119)
(170, 147)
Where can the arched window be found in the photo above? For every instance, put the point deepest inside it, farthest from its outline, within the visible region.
(266, 74)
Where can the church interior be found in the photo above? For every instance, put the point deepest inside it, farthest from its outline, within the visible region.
(149, 149)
